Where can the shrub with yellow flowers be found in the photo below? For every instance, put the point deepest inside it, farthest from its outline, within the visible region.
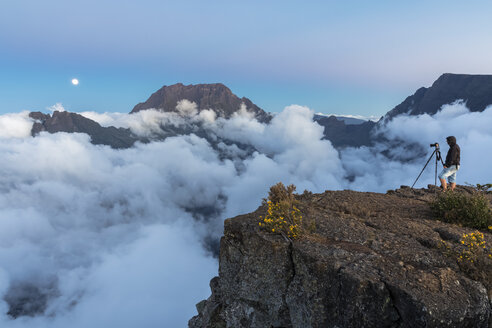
(474, 247)
(283, 217)
(473, 255)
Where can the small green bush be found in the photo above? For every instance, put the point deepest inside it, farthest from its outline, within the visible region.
(464, 209)
(484, 187)
(481, 187)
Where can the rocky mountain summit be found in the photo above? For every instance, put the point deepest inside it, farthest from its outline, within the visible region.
(475, 90)
(206, 96)
(374, 260)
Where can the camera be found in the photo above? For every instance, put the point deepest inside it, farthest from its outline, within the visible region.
(435, 145)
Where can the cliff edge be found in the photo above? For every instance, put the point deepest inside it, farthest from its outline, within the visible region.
(374, 260)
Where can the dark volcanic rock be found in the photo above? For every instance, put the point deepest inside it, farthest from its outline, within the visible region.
(373, 261)
(345, 135)
(72, 122)
(475, 90)
(217, 97)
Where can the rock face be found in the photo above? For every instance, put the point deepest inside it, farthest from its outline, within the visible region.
(72, 122)
(342, 134)
(207, 96)
(475, 90)
(373, 261)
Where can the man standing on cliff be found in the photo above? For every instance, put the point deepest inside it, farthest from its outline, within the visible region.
(452, 164)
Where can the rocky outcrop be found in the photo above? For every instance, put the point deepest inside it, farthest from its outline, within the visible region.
(373, 261)
(72, 122)
(475, 90)
(216, 96)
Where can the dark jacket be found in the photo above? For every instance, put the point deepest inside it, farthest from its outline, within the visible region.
(453, 156)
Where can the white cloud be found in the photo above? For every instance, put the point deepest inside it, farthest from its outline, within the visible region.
(109, 235)
(56, 107)
(375, 172)
(15, 125)
(187, 108)
(101, 231)
(207, 116)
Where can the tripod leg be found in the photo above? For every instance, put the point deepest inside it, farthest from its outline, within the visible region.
(435, 174)
(425, 167)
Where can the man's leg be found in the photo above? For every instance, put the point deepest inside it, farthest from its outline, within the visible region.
(443, 184)
(452, 177)
(445, 173)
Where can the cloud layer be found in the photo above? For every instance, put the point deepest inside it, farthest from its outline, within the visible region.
(409, 138)
(97, 237)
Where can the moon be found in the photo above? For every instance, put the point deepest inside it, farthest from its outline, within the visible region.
(75, 81)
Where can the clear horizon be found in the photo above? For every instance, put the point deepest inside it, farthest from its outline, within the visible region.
(352, 58)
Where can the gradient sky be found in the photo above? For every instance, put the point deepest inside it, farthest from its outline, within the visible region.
(346, 57)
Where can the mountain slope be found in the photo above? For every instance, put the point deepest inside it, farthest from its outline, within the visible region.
(72, 122)
(475, 90)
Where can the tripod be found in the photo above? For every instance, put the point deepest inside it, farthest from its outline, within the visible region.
(436, 152)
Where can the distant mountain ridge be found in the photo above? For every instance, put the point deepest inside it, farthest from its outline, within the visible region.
(348, 119)
(342, 134)
(475, 90)
(73, 122)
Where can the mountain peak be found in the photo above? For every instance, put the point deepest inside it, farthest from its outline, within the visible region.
(215, 96)
(475, 90)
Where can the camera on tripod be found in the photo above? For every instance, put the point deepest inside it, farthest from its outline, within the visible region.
(437, 153)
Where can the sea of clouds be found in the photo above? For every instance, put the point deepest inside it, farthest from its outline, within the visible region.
(97, 237)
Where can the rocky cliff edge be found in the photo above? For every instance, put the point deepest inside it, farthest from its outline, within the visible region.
(374, 260)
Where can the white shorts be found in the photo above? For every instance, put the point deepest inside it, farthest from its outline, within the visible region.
(450, 173)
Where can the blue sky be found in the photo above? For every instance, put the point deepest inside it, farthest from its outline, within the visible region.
(348, 57)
